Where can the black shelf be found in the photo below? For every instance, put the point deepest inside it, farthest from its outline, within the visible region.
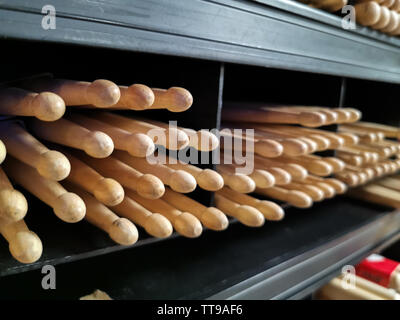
(307, 247)
(274, 35)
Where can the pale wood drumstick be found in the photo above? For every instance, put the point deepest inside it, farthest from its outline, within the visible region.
(146, 185)
(355, 115)
(315, 193)
(297, 172)
(13, 205)
(364, 135)
(393, 23)
(329, 5)
(121, 230)
(136, 144)
(349, 139)
(135, 97)
(349, 178)
(24, 245)
(337, 185)
(45, 106)
(331, 116)
(368, 156)
(171, 138)
(389, 183)
(207, 179)
(238, 182)
(367, 13)
(23, 146)
(350, 159)
(100, 93)
(317, 167)
(202, 140)
(95, 143)
(174, 99)
(337, 164)
(184, 223)
(155, 224)
(3, 152)
(106, 190)
(261, 178)
(389, 131)
(210, 217)
(247, 215)
(178, 180)
(295, 198)
(273, 115)
(269, 209)
(377, 289)
(67, 206)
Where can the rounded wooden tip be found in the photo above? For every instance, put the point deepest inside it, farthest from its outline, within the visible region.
(158, 226)
(142, 96)
(26, 247)
(321, 168)
(268, 148)
(175, 139)
(315, 193)
(363, 178)
(183, 182)
(393, 23)
(188, 225)
(53, 165)
(109, 192)
(370, 173)
(124, 232)
(13, 205)
(338, 185)
(367, 13)
(214, 219)
(337, 164)
(263, 179)
(384, 19)
(349, 138)
(328, 190)
(322, 143)
(297, 172)
(249, 216)
(270, 210)
(150, 187)
(311, 144)
(70, 207)
(48, 106)
(3, 152)
(98, 144)
(312, 119)
(299, 199)
(181, 99)
(103, 93)
(281, 176)
(343, 115)
(207, 141)
(140, 145)
(210, 180)
(294, 147)
(350, 179)
(241, 183)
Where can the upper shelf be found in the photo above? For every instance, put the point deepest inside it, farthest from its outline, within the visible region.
(277, 34)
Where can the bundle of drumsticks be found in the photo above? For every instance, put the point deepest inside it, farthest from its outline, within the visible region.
(94, 164)
(381, 15)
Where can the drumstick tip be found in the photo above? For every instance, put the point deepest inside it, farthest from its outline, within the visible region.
(70, 207)
(181, 181)
(13, 205)
(123, 232)
(181, 99)
(214, 219)
(210, 180)
(140, 145)
(53, 165)
(103, 93)
(142, 96)
(109, 192)
(249, 216)
(98, 144)
(26, 247)
(158, 226)
(188, 225)
(150, 187)
(48, 106)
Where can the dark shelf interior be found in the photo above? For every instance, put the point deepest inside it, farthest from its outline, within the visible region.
(192, 268)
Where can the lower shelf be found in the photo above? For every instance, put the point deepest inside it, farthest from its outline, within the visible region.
(280, 260)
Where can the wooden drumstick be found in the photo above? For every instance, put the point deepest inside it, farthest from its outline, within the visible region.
(295, 198)
(100, 93)
(135, 97)
(174, 99)
(329, 5)
(211, 217)
(349, 178)
(136, 144)
(368, 156)
(350, 159)
(387, 3)
(45, 106)
(273, 115)
(365, 174)
(389, 131)
(184, 223)
(95, 143)
(338, 185)
(331, 116)
(355, 155)
(13, 205)
(24, 245)
(155, 224)
(317, 167)
(393, 23)
(121, 230)
(146, 185)
(367, 13)
(355, 115)
(363, 135)
(343, 116)
(171, 138)
(375, 288)
(377, 194)
(269, 209)
(383, 152)
(395, 6)
(67, 206)
(389, 182)
(297, 172)
(207, 179)
(245, 214)
(315, 193)
(337, 164)
(202, 140)
(238, 182)
(23, 146)
(106, 190)
(349, 139)
(178, 180)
